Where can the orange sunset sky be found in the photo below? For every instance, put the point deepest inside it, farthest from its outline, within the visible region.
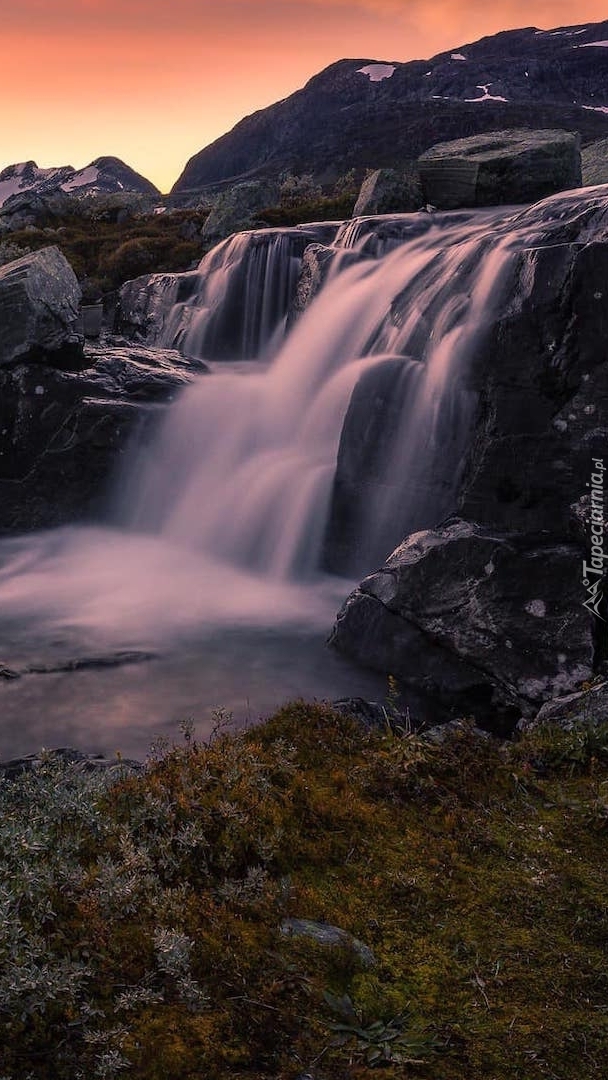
(153, 81)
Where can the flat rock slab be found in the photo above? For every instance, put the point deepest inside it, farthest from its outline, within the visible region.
(501, 167)
(587, 707)
(72, 760)
(62, 433)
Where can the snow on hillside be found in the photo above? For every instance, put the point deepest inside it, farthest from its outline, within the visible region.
(84, 177)
(377, 72)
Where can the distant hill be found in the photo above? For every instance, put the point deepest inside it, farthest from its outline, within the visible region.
(368, 113)
(104, 176)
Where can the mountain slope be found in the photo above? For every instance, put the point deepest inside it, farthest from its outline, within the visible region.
(367, 113)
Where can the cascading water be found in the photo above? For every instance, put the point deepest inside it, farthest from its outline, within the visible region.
(244, 466)
(237, 301)
(228, 517)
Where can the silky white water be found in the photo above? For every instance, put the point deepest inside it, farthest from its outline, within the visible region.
(222, 521)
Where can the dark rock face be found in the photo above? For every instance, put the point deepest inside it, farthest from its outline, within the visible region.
(475, 617)
(39, 309)
(363, 467)
(316, 262)
(487, 610)
(343, 118)
(62, 433)
(145, 303)
(504, 167)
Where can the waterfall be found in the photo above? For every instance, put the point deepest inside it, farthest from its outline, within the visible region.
(244, 465)
(239, 298)
(336, 417)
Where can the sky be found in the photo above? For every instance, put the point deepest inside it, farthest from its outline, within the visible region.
(154, 81)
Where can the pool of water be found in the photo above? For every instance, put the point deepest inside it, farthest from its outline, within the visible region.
(207, 636)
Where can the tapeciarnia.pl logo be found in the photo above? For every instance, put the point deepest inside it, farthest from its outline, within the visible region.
(593, 571)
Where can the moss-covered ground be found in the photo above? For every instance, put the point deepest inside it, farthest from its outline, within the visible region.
(474, 870)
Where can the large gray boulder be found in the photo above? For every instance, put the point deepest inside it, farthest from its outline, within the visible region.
(39, 309)
(479, 619)
(517, 166)
(387, 191)
(594, 163)
(239, 208)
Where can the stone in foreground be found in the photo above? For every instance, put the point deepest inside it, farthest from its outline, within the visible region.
(500, 167)
(330, 937)
(491, 623)
(39, 309)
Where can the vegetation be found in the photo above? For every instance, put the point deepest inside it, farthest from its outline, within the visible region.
(107, 246)
(142, 912)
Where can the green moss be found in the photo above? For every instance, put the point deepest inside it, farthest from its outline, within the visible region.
(474, 871)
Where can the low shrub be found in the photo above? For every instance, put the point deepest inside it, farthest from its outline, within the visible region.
(141, 912)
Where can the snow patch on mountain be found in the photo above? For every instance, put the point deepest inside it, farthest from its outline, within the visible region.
(486, 96)
(82, 178)
(457, 56)
(377, 72)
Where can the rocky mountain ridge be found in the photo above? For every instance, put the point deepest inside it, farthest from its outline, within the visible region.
(379, 113)
(104, 176)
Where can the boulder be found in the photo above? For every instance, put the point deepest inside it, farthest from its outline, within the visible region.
(34, 208)
(594, 163)
(329, 936)
(62, 433)
(39, 310)
(517, 166)
(387, 191)
(239, 208)
(490, 622)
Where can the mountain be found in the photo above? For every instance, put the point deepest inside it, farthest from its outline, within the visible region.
(368, 113)
(104, 176)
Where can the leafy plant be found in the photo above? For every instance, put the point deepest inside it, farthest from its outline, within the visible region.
(379, 1042)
